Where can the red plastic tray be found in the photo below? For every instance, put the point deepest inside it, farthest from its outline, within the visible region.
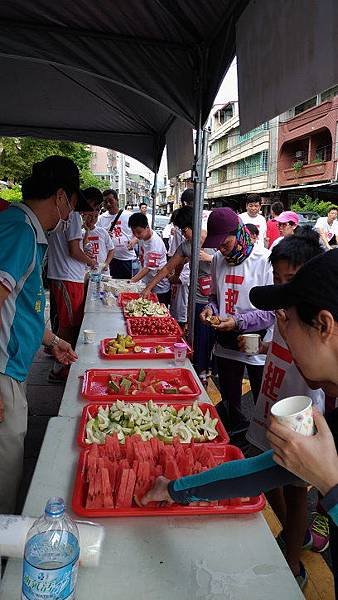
(148, 345)
(168, 338)
(125, 297)
(95, 385)
(234, 506)
(92, 409)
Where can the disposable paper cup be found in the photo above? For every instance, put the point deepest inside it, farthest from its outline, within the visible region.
(295, 413)
(89, 336)
(180, 351)
(251, 341)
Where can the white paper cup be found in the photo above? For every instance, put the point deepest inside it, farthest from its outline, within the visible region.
(251, 341)
(295, 413)
(89, 336)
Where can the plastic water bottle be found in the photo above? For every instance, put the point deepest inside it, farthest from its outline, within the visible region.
(51, 556)
(95, 279)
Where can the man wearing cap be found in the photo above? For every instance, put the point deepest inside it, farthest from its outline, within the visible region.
(48, 197)
(287, 223)
(252, 215)
(235, 270)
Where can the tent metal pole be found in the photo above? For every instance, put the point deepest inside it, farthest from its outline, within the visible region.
(202, 137)
(154, 194)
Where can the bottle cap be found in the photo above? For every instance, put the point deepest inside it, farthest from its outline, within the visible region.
(180, 345)
(55, 507)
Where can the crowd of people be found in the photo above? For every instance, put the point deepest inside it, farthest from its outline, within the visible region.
(270, 277)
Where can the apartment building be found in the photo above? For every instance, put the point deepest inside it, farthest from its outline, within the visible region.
(104, 165)
(307, 142)
(239, 164)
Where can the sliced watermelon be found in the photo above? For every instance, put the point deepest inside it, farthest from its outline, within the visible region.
(171, 470)
(106, 489)
(122, 488)
(129, 492)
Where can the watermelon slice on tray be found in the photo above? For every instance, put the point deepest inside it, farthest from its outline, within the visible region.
(107, 486)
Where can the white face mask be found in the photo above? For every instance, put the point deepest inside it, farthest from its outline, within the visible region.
(63, 224)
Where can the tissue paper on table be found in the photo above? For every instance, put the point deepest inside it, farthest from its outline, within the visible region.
(14, 529)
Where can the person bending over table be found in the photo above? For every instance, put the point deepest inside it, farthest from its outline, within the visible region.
(204, 336)
(309, 324)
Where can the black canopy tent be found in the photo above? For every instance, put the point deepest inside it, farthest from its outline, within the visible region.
(123, 74)
(112, 73)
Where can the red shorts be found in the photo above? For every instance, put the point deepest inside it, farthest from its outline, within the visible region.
(69, 298)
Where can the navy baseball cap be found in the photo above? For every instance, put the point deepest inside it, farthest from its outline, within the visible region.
(315, 283)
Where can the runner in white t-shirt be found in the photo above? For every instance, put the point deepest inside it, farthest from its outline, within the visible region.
(97, 242)
(328, 228)
(236, 268)
(121, 265)
(253, 206)
(153, 255)
(66, 270)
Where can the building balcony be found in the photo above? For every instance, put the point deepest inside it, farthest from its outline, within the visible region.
(244, 185)
(310, 173)
(256, 144)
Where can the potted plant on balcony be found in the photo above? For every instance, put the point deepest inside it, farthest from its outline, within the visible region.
(297, 166)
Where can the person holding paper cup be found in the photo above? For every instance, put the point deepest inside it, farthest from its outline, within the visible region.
(309, 325)
(311, 458)
(236, 268)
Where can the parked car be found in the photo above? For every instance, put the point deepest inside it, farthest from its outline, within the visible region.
(160, 223)
(308, 218)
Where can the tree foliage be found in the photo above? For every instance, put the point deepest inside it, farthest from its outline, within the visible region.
(11, 194)
(308, 204)
(17, 155)
(88, 179)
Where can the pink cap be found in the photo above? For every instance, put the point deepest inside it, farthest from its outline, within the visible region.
(287, 216)
(180, 345)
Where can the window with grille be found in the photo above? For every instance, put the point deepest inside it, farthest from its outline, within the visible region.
(233, 138)
(305, 105)
(232, 171)
(253, 165)
(329, 94)
(324, 153)
(248, 136)
(222, 145)
(222, 175)
(213, 177)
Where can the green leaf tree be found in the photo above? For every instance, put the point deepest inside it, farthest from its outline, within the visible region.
(17, 155)
(308, 204)
(88, 179)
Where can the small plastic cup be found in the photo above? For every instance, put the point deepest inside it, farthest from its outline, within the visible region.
(295, 413)
(180, 351)
(251, 341)
(89, 336)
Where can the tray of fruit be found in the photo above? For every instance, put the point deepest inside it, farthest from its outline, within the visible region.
(112, 479)
(184, 422)
(125, 297)
(145, 308)
(124, 346)
(100, 385)
(154, 327)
